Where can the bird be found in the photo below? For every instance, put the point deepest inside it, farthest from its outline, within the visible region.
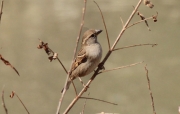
(88, 57)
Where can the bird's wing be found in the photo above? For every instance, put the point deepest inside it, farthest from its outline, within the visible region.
(81, 58)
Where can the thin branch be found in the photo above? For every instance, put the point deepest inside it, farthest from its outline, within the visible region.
(104, 60)
(2, 2)
(98, 100)
(122, 21)
(139, 22)
(135, 46)
(104, 24)
(3, 102)
(12, 95)
(75, 51)
(150, 92)
(84, 104)
(120, 67)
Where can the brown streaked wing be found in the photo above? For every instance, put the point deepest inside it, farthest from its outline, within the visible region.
(81, 58)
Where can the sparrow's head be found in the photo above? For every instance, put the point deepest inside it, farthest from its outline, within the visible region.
(90, 36)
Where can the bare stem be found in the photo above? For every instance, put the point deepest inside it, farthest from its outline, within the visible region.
(139, 22)
(1, 10)
(121, 67)
(104, 60)
(84, 105)
(98, 100)
(122, 21)
(135, 46)
(75, 50)
(107, 36)
(3, 102)
(150, 92)
(21, 102)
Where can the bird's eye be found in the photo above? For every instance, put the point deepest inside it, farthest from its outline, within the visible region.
(93, 35)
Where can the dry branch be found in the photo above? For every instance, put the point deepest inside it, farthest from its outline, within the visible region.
(8, 64)
(135, 46)
(3, 102)
(12, 95)
(120, 67)
(2, 2)
(104, 60)
(150, 92)
(98, 100)
(75, 51)
(107, 36)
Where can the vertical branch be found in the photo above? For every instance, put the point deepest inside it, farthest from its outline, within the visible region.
(75, 50)
(1, 9)
(3, 102)
(104, 25)
(150, 92)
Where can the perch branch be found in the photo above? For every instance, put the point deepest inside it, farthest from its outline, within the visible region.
(104, 60)
(75, 50)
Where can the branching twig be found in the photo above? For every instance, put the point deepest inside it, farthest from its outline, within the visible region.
(1, 10)
(3, 102)
(12, 95)
(150, 92)
(104, 24)
(135, 46)
(75, 50)
(98, 100)
(104, 60)
(120, 67)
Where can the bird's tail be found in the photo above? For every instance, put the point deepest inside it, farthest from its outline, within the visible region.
(67, 86)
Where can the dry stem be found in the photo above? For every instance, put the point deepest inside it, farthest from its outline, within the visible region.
(75, 50)
(120, 67)
(3, 102)
(135, 46)
(150, 92)
(1, 10)
(104, 60)
(107, 36)
(12, 95)
(99, 100)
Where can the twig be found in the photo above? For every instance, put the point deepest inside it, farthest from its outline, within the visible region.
(104, 24)
(135, 46)
(122, 21)
(120, 67)
(1, 10)
(12, 95)
(84, 104)
(150, 92)
(104, 60)
(8, 64)
(3, 102)
(75, 50)
(98, 100)
(139, 22)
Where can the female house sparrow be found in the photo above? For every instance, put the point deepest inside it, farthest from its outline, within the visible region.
(88, 57)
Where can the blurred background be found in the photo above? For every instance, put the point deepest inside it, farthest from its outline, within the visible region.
(57, 22)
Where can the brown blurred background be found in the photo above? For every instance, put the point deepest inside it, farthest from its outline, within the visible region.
(57, 22)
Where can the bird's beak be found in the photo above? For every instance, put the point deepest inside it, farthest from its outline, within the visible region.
(98, 31)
